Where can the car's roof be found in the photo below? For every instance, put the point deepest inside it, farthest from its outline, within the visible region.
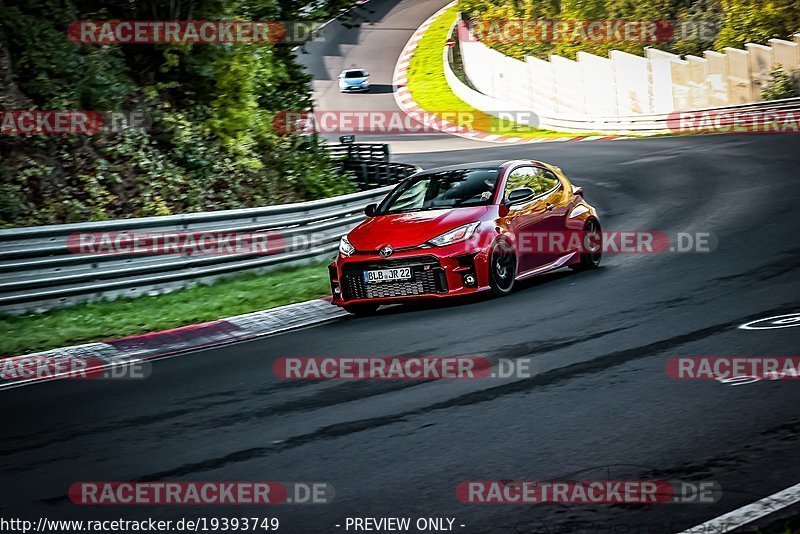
(353, 70)
(475, 165)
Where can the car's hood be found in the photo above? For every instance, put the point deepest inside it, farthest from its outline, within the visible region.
(356, 81)
(401, 230)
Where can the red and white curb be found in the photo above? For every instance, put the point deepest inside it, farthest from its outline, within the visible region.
(405, 100)
(15, 371)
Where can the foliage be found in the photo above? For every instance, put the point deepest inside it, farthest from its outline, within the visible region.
(748, 21)
(782, 86)
(428, 85)
(99, 321)
(209, 144)
(696, 25)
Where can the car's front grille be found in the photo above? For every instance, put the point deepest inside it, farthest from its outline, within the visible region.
(427, 277)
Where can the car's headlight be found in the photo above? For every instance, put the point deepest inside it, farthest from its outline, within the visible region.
(462, 233)
(345, 248)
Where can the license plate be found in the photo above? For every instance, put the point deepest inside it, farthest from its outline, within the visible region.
(387, 275)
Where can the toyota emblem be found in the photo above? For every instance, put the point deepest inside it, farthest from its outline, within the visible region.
(386, 251)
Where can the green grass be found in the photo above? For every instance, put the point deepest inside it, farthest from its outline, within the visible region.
(429, 87)
(124, 317)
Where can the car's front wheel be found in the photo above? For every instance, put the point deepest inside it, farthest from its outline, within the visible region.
(593, 242)
(502, 268)
(361, 309)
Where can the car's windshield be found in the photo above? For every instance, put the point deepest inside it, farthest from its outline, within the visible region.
(354, 74)
(446, 189)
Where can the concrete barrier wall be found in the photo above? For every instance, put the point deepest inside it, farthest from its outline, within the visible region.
(625, 84)
(601, 98)
(695, 74)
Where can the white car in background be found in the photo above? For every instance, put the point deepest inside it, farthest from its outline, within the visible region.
(353, 80)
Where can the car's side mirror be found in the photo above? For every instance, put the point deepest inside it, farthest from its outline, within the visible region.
(366, 74)
(341, 75)
(519, 195)
(577, 190)
(370, 210)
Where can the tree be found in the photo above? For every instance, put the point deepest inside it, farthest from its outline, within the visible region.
(751, 22)
(211, 143)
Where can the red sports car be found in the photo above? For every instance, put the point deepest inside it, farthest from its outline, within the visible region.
(462, 229)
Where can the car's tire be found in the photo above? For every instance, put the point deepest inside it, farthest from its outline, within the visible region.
(590, 260)
(502, 268)
(361, 309)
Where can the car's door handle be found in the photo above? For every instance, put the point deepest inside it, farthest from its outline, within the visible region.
(549, 207)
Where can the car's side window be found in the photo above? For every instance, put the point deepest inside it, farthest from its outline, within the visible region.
(539, 179)
(542, 180)
(518, 178)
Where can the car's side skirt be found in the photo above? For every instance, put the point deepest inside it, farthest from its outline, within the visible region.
(560, 262)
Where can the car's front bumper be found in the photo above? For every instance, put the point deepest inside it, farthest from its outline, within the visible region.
(436, 273)
(353, 88)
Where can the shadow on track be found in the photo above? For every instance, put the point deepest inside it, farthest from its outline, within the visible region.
(378, 89)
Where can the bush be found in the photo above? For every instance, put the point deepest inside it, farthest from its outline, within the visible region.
(210, 144)
(708, 24)
(783, 85)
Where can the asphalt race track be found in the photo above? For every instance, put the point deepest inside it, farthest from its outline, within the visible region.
(599, 405)
(372, 37)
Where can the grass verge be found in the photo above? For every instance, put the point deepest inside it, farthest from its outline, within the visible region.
(429, 87)
(98, 321)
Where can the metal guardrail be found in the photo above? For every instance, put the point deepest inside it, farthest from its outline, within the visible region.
(40, 271)
(663, 123)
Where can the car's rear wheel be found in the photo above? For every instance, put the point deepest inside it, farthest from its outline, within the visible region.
(502, 268)
(593, 241)
(361, 309)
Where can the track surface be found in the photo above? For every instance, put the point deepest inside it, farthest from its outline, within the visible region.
(372, 37)
(600, 405)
